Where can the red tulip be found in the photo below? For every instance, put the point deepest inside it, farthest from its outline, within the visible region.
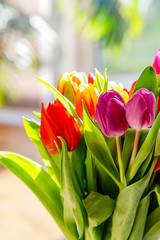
(91, 78)
(56, 121)
(156, 62)
(88, 94)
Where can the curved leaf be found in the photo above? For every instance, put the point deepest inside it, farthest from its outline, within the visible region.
(91, 173)
(148, 80)
(99, 208)
(145, 149)
(153, 219)
(140, 220)
(77, 157)
(126, 207)
(73, 210)
(32, 130)
(38, 180)
(153, 233)
(98, 147)
(129, 142)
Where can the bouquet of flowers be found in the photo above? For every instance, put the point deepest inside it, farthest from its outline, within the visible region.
(100, 144)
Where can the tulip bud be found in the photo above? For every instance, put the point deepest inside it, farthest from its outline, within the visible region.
(141, 108)
(110, 114)
(57, 122)
(91, 78)
(156, 62)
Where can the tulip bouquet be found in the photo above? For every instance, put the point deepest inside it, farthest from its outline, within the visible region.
(100, 144)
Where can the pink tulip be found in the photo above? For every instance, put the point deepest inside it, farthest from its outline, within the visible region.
(110, 114)
(156, 63)
(141, 109)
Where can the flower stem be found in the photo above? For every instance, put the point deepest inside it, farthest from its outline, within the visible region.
(135, 147)
(152, 179)
(119, 152)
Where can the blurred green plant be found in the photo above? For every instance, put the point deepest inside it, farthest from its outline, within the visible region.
(6, 86)
(17, 51)
(109, 21)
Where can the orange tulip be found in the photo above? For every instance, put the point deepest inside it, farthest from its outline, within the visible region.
(75, 88)
(88, 94)
(57, 121)
(132, 89)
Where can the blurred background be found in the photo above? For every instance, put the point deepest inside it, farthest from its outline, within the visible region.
(44, 38)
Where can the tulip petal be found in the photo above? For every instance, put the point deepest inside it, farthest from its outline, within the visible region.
(110, 114)
(47, 135)
(56, 121)
(88, 94)
(140, 110)
(156, 63)
(116, 110)
(135, 110)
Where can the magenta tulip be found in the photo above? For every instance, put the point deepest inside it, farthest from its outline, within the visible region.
(141, 108)
(110, 114)
(156, 62)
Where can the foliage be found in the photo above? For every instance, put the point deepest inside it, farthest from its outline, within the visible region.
(106, 20)
(83, 189)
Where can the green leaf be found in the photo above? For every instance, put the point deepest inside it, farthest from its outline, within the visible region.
(37, 114)
(129, 142)
(111, 142)
(158, 79)
(157, 192)
(32, 130)
(85, 78)
(107, 229)
(153, 233)
(126, 207)
(99, 208)
(145, 149)
(77, 157)
(94, 233)
(128, 147)
(140, 220)
(141, 171)
(74, 212)
(148, 80)
(152, 219)
(91, 173)
(110, 188)
(38, 180)
(66, 103)
(105, 83)
(97, 81)
(157, 148)
(101, 82)
(98, 147)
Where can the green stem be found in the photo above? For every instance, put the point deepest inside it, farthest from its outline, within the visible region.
(135, 147)
(119, 152)
(151, 180)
